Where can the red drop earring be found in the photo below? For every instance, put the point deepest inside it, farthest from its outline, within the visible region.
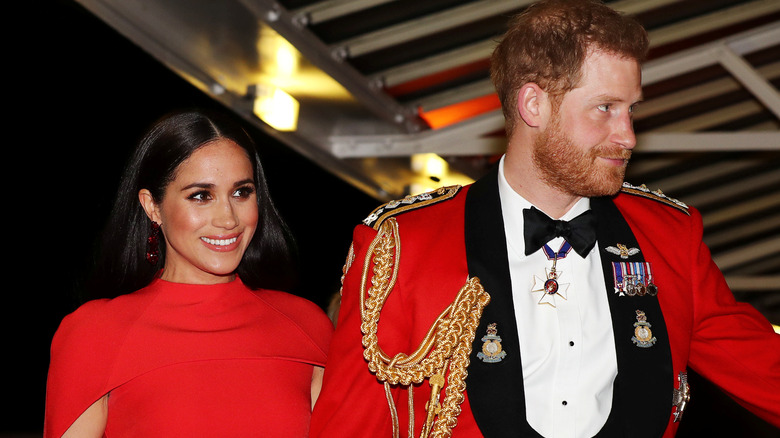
(153, 244)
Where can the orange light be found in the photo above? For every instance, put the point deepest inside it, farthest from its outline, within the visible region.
(455, 113)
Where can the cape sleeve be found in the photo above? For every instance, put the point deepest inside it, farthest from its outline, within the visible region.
(79, 369)
(313, 329)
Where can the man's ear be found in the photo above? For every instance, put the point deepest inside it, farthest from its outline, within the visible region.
(532, 102)
(150, 207)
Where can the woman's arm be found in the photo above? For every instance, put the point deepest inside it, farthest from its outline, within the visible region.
(316, 384)
(92, 423)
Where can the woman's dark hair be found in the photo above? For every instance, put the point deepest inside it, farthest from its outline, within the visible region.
(121, 266)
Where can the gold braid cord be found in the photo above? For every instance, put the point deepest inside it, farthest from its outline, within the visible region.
(444, 350)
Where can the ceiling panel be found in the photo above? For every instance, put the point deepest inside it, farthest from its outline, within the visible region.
(383, 81)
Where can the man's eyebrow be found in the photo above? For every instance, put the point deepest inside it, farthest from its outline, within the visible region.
(611, 98)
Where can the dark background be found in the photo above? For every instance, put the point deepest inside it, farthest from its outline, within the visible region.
(79, 97)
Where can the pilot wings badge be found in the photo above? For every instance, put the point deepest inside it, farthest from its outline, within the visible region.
(622, 250)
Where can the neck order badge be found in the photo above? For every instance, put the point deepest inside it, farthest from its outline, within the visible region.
(549, 286)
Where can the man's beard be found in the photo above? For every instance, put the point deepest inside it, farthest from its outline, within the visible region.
(573, 170)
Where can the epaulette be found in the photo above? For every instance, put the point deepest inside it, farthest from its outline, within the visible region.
(656, 195)
(410, 202)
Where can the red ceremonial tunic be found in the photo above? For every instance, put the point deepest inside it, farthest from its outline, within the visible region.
(445, 241)
(181, 360)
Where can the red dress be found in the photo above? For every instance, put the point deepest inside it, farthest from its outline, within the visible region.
(189, 360)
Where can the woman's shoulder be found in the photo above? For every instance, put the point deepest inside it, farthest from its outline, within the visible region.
(101, 318)
(301, 312)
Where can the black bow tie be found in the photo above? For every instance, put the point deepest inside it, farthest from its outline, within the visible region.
(539, 229)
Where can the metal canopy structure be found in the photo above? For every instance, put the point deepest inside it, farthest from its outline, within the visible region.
(381, 83)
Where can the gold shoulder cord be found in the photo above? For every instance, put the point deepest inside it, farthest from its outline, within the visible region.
(447, 344)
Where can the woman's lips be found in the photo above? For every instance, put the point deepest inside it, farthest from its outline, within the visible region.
(227, 243)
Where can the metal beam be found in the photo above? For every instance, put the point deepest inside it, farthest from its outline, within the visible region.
(714, 118)
(712, 172)
(708, 141)
(765, 283)
(481, 50)
(743, 187)
(670, 66)
(319, 54)
(460, 139)
(653, 71)
(455, 95)
(712, 21)
(740, 256)
(424, 26)
(327, 10)
(633, 7)
(438, 63)
(466, 139)
(742, 209)
(756, 225)
(752, 80)
(699, 93)
(706, 55)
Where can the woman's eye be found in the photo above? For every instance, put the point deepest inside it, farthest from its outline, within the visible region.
(200, 196)
(244, 192)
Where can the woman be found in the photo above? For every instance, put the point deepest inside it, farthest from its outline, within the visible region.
(196, 342)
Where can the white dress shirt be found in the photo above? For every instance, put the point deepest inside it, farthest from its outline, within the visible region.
(567, 351)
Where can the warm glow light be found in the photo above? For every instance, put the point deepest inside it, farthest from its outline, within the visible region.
(777, 328)
(276, 108)
(429, 165)
(433, 172)
(286, 59)
(278, 58)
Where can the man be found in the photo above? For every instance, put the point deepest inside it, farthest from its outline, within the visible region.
(513, 324)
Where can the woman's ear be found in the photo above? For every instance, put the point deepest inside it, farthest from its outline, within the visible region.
(532, 101)
(150, 207)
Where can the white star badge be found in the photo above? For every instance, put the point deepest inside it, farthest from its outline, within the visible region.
(550, 287)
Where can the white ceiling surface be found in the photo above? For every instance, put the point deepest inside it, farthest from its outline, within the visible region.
(709, 130)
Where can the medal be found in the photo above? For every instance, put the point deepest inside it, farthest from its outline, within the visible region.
(652, 289)
(549, 285)
(682, 395)
(643, 336)
(633, 279)
(492, 351)
(630, 282)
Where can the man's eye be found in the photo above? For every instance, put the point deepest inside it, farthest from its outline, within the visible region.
(604, 107)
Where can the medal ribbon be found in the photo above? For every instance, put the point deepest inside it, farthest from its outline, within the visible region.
(617, 272)
(562, 252)
(636, 272)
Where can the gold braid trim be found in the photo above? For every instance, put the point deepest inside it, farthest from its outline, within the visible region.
(452, 334)
(347, 265)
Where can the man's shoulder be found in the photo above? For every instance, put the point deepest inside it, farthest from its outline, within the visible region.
(420, 203)
(637, 194)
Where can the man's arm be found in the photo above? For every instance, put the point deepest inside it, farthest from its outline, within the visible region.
(352, 402)
(732, 344)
